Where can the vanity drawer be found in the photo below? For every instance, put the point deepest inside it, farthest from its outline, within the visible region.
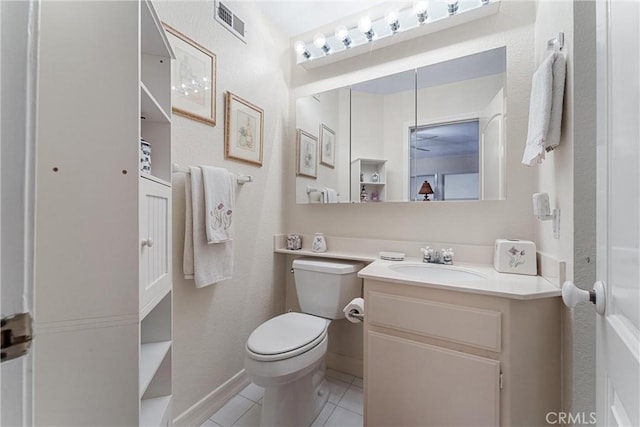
(464, 325)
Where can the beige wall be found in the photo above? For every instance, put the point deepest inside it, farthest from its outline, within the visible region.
(568, 175)
(211, 325)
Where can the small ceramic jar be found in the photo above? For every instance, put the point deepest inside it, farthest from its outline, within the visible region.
(319, 243)
(375, 177)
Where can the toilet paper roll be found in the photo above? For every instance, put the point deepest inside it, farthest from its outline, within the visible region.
(354, 311)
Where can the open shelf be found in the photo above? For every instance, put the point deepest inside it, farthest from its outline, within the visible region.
(150, 109)
(151, 356)
(153, 38)
(154, 412)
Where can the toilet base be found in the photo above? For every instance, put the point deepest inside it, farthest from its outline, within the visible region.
(297, 403)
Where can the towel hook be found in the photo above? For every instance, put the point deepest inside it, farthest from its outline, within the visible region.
(556, 43)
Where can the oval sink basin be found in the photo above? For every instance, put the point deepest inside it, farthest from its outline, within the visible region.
(439, 273)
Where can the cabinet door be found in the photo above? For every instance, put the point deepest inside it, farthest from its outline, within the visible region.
(414, 384)
(155, 243)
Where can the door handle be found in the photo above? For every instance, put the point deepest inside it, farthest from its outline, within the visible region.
(572, 295)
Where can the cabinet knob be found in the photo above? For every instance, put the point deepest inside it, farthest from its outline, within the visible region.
(148, 243)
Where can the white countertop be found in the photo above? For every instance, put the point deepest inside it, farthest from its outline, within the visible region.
(505, 285)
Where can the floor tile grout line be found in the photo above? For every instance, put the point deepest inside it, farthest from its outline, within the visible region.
(330, 413)
(347, 409)
(245, 412)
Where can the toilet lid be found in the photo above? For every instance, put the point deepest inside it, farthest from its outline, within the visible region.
(287, 335)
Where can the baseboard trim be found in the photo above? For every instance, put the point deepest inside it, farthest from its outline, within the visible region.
(211, 403)
(345, 364)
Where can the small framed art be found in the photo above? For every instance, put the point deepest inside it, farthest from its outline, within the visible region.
(307, 154)
(327, 146)
(243, 137)
(193, 79)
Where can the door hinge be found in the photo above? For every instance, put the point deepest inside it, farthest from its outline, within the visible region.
(16, 336)
(500, 381)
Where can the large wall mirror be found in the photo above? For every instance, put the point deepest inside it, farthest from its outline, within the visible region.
(435, 133)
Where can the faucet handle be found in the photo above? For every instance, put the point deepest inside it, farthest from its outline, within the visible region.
(447, 255)
(427, 254)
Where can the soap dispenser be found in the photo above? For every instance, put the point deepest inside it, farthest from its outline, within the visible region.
(363, 195)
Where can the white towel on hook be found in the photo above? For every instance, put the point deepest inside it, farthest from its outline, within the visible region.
(218, 196)
(545, 109)
(211, 263)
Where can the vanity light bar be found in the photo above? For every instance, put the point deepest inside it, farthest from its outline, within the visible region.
(393, 27)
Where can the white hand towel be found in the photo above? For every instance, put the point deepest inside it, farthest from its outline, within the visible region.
(559, 70)
(545, 108)
(331, 195)
(218, 196)
(212, 263)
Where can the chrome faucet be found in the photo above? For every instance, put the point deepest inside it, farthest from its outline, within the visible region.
(432, 256)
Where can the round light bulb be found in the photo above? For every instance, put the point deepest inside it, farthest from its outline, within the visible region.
(420, 7)
(342, 32)
(365, 24)
(391, 17)
(319, 40)
(299, 47)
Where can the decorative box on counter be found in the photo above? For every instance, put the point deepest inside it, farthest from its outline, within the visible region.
(515, 256)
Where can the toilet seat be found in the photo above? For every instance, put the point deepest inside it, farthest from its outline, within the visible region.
(286, 336)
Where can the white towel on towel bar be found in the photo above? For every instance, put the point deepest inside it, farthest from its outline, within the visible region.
(329, 195)
(211, 263)
(218, 197)
(545, 109)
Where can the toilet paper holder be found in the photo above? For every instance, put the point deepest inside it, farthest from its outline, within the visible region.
(353, 313)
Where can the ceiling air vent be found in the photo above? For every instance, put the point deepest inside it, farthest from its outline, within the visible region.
(230, 21)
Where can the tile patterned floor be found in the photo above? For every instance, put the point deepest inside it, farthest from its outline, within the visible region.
(344, 408)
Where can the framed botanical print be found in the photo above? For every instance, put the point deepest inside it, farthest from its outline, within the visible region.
(243, 137)
(327, 146)
(193, 79)
(307, 154)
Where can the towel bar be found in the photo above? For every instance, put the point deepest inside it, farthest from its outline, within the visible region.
(242, 179)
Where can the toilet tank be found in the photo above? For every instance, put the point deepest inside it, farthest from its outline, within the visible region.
(325, 286)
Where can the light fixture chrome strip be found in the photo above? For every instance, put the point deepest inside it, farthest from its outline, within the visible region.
(396, 26)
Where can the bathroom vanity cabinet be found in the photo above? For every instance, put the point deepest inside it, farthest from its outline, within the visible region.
(103, 287)
(436, 357)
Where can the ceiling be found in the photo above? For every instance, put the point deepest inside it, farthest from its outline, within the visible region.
(295, 17)
(468, 67)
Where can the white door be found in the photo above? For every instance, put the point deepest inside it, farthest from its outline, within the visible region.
(618, 330)
(18, 23)
(492, 160)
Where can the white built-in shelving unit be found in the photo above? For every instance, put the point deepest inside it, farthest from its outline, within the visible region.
(155, 298)
(362, 171)
(103, 353)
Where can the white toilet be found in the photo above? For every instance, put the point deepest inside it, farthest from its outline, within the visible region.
(285, 355)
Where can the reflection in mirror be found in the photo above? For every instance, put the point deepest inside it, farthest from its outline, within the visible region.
(382, 115)
(323, 173)
(457, 144)
(443, 124)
